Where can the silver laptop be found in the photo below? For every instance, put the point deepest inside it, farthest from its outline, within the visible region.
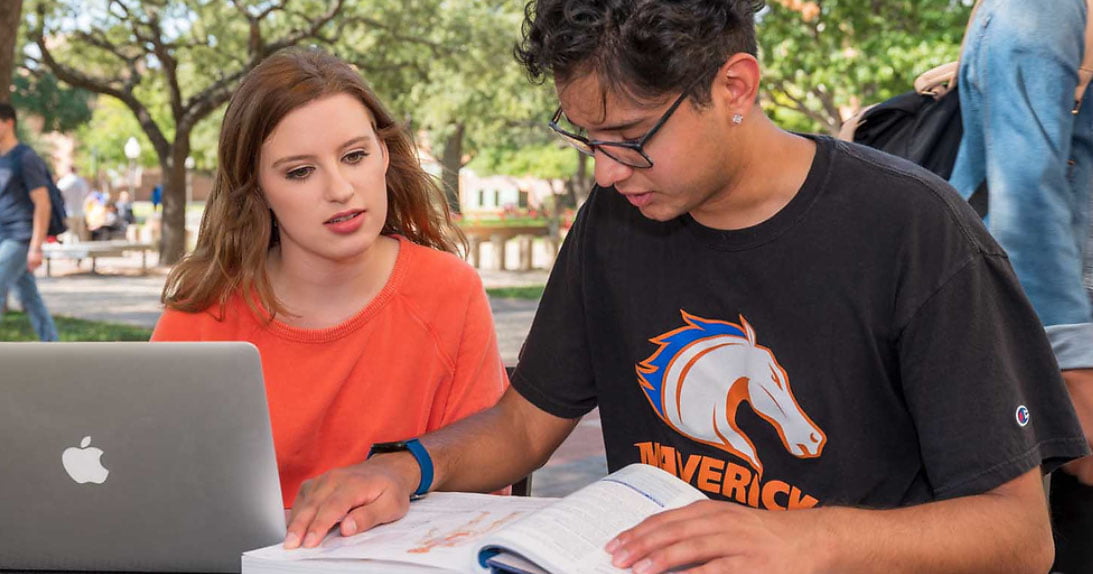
(135, 457)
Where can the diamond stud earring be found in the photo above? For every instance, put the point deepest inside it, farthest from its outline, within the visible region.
(737, 119)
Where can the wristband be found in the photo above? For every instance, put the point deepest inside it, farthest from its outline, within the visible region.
(415, 448)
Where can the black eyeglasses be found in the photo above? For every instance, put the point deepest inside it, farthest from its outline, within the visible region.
(630, 153)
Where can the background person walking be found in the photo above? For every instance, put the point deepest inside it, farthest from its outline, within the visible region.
(1025, 136)
(24, 217)
(75, 190)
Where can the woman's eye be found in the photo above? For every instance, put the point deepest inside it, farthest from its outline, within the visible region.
(299, 173)
(355, 156)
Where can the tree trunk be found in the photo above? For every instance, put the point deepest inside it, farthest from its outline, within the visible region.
(10, 12)
(582, 181)
(451, 162)
(173, 243)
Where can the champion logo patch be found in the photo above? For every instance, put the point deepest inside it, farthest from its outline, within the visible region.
(1022, 415)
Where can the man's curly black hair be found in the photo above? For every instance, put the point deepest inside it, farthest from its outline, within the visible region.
(643, 48)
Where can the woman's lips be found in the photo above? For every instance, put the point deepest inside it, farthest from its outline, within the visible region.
(347, 222)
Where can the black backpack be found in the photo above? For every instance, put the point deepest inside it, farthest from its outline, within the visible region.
(924, 125)
(57, 213)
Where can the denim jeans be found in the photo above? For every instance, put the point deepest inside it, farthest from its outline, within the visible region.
(14, 274)
(1017, 79)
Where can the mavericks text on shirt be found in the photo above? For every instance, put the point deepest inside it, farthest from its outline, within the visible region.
(728, 479)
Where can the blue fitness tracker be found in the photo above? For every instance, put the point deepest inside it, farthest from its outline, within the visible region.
(415, 448)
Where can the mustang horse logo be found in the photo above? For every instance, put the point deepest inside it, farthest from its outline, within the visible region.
(701, 374)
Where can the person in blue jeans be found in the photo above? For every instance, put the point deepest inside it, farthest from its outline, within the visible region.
(1025, 137)
(24, 218)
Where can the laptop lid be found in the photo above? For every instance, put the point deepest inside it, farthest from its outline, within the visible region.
(135, 457)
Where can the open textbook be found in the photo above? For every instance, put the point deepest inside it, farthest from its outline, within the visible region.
(463, 532)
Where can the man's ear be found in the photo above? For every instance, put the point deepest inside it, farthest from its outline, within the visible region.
(737, 83)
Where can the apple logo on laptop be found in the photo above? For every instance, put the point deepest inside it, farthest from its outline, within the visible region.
(83, 464)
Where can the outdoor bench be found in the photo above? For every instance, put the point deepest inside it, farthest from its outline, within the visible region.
(93, 250)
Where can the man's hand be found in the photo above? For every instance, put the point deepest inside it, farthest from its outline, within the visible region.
(1080, 384)
(712, 536)
(34, 259)
(1003, 530)
(493, 448)
(374, 492)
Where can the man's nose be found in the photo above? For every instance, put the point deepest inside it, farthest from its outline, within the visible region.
(609, 171)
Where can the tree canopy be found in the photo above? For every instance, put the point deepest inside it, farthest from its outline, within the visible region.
(61, 107)
(825, 59)
(451, 71)
(171, 63)
(165, 68)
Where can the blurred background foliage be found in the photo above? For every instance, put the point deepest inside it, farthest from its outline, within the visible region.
(103, 70)
(825, 59)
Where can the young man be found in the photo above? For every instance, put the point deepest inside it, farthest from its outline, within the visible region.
(786, 322)
(24, 219)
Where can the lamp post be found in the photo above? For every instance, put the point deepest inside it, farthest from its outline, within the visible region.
(132, 151)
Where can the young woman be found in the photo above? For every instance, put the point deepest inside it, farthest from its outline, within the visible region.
(327, 246)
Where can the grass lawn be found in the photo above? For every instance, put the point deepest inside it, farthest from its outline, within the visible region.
(528, 292)
(15, 327)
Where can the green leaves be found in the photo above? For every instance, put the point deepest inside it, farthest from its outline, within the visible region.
(546, 161)
(61, 108)
(446, 66)
(824, 60)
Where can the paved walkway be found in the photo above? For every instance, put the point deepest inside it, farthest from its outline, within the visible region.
(119, 293)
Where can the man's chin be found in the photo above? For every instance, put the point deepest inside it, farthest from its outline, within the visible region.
(657, 213)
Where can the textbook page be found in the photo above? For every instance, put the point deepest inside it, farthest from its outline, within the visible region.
(443, 530)
(569, 535)
(252, 565)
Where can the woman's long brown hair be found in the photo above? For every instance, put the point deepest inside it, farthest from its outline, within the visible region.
(238, 229)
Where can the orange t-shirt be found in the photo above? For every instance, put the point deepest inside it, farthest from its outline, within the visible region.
(421, 355)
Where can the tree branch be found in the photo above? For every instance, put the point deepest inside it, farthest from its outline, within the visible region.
(310, 31)
(435, 48)
(121, 5)
(210, 98)
(98, 40)
(271, 9)
(170, 66)
(799, 104)
(835, 117)
(101, 86)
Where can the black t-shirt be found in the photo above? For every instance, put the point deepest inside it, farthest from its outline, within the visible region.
(868, 345)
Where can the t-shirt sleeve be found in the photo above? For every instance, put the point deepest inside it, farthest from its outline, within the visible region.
(555, 371)
(176, 326)
(982, 384)
(479, 377)
(35, 173)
